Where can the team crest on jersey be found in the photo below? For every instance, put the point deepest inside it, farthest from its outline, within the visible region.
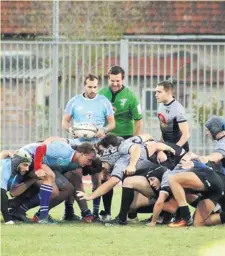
(162, 120)
(110, 155)
(89, 115)
(123, 102)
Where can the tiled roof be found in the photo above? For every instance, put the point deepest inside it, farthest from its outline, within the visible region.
(181, 17)
(167, 17)
(26, 17)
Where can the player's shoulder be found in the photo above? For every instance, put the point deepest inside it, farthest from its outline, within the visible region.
(129, 92)
(177, 104)
(76, 97)
(220, 144)
(101, 97)
(6, 163)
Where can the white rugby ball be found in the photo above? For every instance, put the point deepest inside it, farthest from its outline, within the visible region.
(84, 130)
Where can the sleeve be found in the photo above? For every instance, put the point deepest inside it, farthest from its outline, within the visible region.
(165, 188)
(125, 147)
(220, 147)
(119, 167)
(108, 107)
(14, 180)
(180, 114)
(200, 165)
(69, 107)
(135, 108)
(39, 155)
(136, 139)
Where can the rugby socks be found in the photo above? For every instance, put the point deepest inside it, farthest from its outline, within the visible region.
(185, 212)
(4, 206)
(69, 211)
(45, 193)
(146, 209)
(222, 217)
(127, 198)
(143, 209)
(177, 215)
(195, 202)
(96, 203)
(107, 200)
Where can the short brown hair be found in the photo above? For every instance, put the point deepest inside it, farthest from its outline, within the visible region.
(86, 148)
(167, 85)
(115, 70)
(90, 77)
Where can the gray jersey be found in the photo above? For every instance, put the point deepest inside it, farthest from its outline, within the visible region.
(170, 115)
(165, 179)
(124, 160)
(112, 154)
(220, 148)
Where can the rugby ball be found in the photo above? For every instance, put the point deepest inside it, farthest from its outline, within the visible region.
(84, 130)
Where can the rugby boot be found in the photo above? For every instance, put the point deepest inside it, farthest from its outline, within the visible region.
(181, 223)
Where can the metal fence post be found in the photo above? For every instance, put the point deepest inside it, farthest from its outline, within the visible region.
(55, 67)
(124, 57)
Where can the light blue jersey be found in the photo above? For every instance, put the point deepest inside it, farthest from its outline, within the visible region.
(6, 171)
(58, 153)
(94, 111)
(85, 110)
(31, 148)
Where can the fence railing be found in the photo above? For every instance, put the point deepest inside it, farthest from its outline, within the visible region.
(38, 78)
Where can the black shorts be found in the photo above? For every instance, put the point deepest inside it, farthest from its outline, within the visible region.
(172, 160)
(145, 172)
(142, 172)
(213, 184)
(60, 180)
(222, 203)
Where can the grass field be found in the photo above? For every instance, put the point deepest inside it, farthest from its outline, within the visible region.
(94, 239)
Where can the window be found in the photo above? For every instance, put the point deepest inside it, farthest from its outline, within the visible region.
(46, 101)
(150, 102)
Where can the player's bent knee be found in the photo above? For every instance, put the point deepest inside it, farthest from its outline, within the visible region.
(70, 188)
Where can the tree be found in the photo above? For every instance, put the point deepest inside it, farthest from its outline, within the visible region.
(202, 111)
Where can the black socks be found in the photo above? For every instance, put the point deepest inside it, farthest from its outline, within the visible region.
(127, 198)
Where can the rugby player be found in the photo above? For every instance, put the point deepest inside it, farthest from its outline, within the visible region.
(88, 107)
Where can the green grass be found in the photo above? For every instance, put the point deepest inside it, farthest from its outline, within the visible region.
(94, 239)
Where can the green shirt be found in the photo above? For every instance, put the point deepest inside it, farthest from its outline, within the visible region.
(127, 109)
